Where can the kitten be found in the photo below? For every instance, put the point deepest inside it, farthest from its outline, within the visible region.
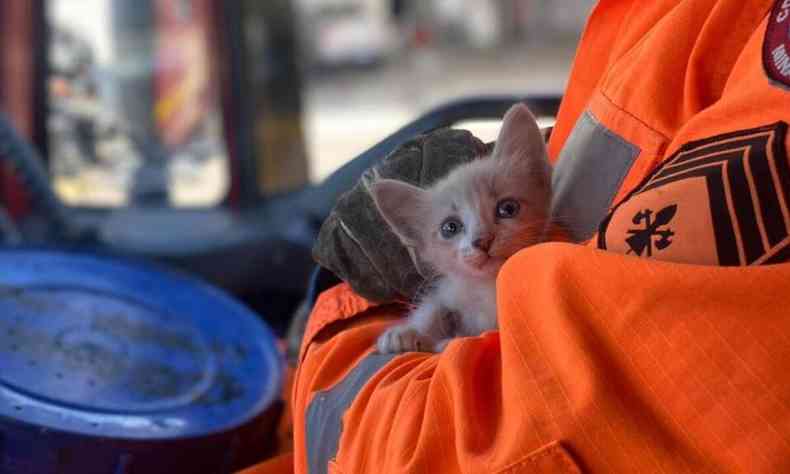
(464, 227)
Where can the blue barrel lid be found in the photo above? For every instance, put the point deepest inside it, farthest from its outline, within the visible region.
(99, 347)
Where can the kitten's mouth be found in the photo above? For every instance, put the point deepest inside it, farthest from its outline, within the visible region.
(484, 262)
(477, 259)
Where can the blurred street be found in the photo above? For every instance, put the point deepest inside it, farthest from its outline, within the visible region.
(347, 111)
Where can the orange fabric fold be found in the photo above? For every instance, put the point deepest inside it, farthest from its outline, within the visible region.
(684, 374)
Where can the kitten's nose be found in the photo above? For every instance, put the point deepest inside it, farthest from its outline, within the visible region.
(483, 242)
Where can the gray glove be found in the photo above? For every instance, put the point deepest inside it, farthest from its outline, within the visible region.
(355, 242)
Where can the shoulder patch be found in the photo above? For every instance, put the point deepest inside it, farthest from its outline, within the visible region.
(718, 201)
(776, 45)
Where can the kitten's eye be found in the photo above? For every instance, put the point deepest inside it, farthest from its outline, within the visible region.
(507, 208)
(450, 227)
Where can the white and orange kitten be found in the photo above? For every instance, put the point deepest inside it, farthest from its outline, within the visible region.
(464, 227)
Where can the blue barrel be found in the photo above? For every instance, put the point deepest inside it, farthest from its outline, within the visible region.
(113, 367)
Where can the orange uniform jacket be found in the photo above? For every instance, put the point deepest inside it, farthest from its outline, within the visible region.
(660, 345)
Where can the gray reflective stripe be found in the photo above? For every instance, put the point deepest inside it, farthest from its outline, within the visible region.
(325, 413)
(590, 170)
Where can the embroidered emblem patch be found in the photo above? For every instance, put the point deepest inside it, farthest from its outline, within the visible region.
(776, 45)
(652, 235)
(719, 201)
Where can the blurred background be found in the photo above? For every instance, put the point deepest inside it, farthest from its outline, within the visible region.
(215, 136)
(136, 117)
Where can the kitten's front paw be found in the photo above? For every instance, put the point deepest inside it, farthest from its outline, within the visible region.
(403, 338)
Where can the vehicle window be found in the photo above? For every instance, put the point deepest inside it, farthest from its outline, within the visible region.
(373, 65)
(134, 101)
(134, 112)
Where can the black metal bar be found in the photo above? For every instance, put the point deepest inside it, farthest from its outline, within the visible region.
(41, 37)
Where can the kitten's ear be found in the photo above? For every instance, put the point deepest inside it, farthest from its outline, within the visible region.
(520, 142)
(404, 207)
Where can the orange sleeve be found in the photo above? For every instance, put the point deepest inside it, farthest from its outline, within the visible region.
(588, 67)
(612, 31)
(685, 374)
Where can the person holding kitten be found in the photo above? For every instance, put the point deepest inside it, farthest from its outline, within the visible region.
(654, 342)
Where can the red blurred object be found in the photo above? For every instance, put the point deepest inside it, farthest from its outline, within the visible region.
(189, 48)
(183, 73)
(422, 36)
(17, 65)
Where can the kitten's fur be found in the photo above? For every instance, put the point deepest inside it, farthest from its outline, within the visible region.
(461, 300)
